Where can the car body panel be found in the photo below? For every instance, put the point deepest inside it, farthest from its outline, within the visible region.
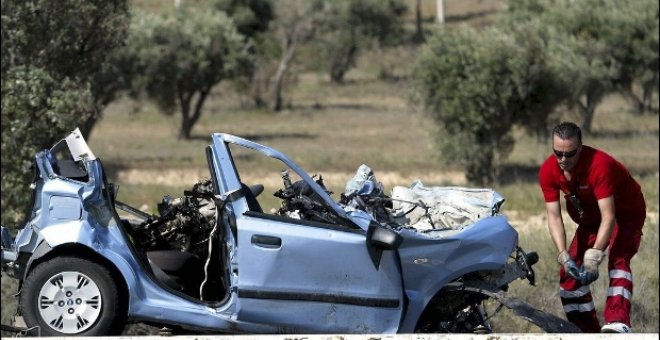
(283, 275)
(320, 277)
(429, 263)
(299, 277)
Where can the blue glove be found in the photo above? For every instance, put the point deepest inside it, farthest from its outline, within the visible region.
(572, 270)
(569, 265)
(587, 277)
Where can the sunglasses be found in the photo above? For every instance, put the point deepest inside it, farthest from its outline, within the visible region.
(567, 154)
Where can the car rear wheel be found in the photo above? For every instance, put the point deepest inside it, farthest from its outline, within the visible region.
(72, 296)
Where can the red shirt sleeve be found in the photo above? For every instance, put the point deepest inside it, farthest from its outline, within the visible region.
(603, 175)
(548, 180)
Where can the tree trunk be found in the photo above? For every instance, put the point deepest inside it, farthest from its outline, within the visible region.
(189, 119)
(186, 127)
(289, 46)
(419, 35)
(642, 98)
(648, 89)
(88, 124)
(256, 90)
(197, 113)
(440, 11)
(588, 109)
(339, 68)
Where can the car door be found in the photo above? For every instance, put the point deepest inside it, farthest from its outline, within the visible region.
(314, 277)
(303, 276)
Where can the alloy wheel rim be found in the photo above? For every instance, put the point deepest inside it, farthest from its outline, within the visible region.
(70, 302)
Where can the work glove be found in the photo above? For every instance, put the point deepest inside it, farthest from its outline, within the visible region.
(589, 271)
(569, 265)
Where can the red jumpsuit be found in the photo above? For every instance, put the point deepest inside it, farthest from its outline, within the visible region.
(598, 175)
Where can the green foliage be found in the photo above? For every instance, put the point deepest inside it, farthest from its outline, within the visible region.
(478, 84)
(68, 38)
(180, 60)
(253, 19)
(37, 110)
(250, 17)
(541, 54)
(347, 130)
(72, 39)
(346, 26)
(630, 30)
(53, 56)
(608, 46)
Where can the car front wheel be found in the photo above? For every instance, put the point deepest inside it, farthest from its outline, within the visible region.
(72, 296)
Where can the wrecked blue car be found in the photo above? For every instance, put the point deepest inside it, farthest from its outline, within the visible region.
(215, 260)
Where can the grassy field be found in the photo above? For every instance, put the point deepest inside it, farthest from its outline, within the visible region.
(332, 129)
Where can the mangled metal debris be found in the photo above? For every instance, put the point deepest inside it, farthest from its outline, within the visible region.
(423, 259)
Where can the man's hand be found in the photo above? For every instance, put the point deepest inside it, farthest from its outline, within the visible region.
(569, 265)
(589, 271)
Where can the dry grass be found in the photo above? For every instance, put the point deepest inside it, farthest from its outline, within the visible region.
(545, 295)
(333, 129)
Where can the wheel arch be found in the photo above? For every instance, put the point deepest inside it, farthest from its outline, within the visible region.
(44, 253)
(432, 302)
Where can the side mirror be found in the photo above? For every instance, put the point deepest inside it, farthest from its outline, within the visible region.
(386, 239)
(380, 239)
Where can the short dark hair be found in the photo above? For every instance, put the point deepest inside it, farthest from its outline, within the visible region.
(568, 130)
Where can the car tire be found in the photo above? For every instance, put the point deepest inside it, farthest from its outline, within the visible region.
(70, 296)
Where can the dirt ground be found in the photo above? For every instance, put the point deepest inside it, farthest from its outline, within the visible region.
(192, 175)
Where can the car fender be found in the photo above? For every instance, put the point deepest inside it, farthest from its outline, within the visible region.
(429, 263)
(418, 301)
(54, 240)
(69, 232)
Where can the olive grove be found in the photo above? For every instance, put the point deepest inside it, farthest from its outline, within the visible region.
(478, 84)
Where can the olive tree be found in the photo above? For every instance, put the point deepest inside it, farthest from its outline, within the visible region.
(182, 55)
(69, 39)
(610, 46)
(295, 25)
(632, 29)
(51, 54)
(37, 110)
(541, 54)
(251, 17)
(478, 84)
(347, 26)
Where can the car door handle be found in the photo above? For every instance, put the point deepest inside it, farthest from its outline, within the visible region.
(266, 241)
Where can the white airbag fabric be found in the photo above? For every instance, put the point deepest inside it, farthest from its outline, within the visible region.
(448, 207)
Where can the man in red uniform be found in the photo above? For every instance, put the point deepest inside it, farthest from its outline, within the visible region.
(608, 206)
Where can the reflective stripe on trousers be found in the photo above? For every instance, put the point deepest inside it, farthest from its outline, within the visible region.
(577, 300)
